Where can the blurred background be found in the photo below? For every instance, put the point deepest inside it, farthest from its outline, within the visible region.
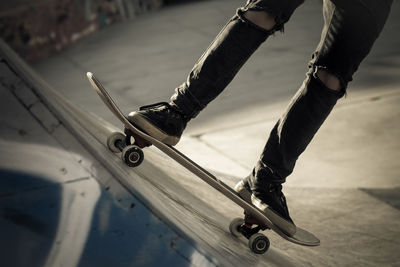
(37, 29)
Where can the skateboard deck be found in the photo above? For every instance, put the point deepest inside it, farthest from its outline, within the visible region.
(257, 242)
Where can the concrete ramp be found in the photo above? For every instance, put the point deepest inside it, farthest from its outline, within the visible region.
(66, 200)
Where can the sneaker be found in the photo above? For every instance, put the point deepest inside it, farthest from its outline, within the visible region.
(271, 201)
(161, 121)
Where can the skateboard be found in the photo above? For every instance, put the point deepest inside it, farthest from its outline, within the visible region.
(254, 220)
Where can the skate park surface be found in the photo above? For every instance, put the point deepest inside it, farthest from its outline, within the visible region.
(345, 188)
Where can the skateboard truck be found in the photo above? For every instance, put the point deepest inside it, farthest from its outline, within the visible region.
(258, 243)
(138, 141)
(132, 154)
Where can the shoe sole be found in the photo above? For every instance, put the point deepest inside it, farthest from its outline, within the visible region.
(141, 122)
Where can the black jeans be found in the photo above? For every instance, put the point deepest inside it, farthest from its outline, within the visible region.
(350, 29)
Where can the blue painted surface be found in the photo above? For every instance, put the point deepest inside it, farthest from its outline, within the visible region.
(121, 233)
(13, 182)
(132, 238)
(27, 224)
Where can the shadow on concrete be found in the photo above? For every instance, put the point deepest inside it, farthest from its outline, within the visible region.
(390, 196)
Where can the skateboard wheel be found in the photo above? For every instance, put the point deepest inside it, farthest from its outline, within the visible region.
(132, 155)
(113, 139)
(234, 226)
(258, 243)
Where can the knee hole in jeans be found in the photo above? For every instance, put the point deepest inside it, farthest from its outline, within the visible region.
(261, 19)
(328, 79)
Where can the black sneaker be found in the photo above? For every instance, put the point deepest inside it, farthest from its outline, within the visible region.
(271, 201)
(162, 121)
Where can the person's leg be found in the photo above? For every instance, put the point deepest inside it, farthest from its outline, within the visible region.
(348, 35)
(216, 68)
(237, 41)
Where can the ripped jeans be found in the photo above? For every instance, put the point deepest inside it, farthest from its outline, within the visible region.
(350, 30)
